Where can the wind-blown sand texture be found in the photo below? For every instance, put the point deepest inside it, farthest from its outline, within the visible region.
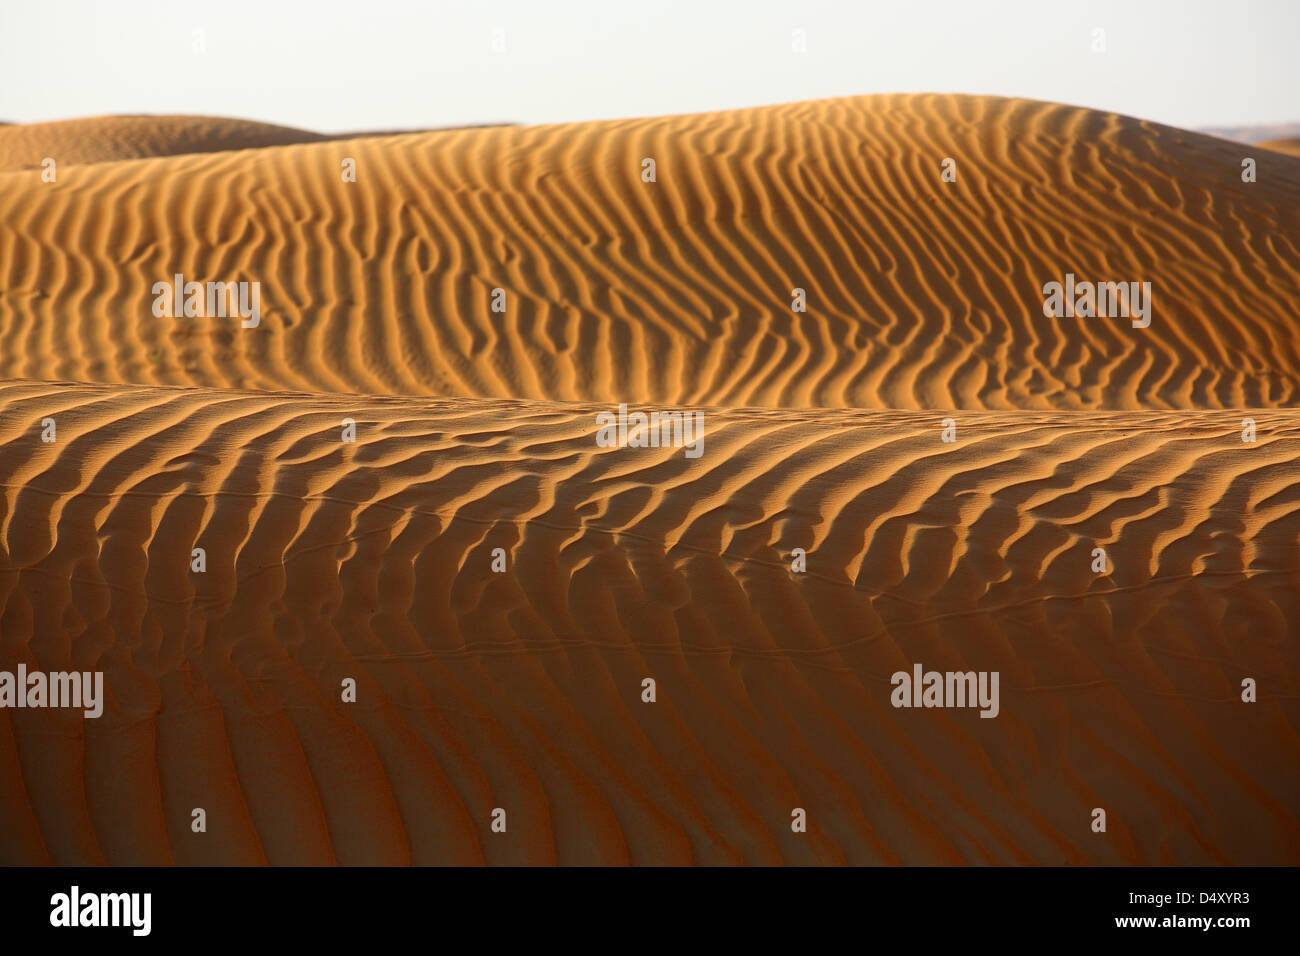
(476, 430)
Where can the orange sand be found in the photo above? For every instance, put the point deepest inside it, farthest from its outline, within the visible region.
(476, 430)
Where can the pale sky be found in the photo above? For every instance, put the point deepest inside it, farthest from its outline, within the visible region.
(332, 66)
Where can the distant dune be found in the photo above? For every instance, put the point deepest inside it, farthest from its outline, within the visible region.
(108, 138)
(104, 139)
(948, 459)
(1254, 134)
(1289, 146)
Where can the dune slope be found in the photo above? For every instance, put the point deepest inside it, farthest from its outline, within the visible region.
(522, 689)
(920, 293)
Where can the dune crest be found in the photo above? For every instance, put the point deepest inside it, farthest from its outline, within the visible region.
(106, 139)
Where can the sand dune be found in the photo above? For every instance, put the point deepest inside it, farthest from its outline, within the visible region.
(921, 294)
(104, 139)
(1254, 134)
(476, 430)
(1289, 146)
(522, 689)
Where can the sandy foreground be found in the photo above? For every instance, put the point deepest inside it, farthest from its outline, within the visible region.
(947, 458)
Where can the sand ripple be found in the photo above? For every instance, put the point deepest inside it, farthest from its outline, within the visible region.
(372, 559)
